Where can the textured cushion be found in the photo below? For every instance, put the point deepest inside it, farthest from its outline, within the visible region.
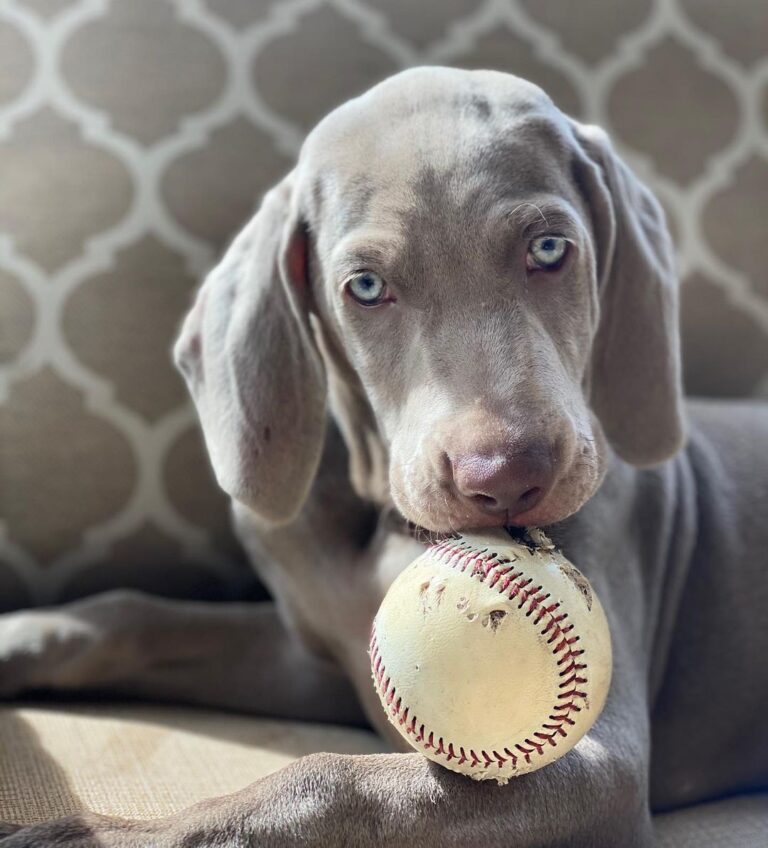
(144, 761)
(148, 761)
(131, 156)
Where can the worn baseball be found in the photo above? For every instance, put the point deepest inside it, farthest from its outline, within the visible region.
(490, 655)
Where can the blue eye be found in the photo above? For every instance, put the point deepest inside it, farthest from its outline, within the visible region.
(367, 288)
(546, 252)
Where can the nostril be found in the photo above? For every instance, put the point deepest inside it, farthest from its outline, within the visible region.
(534, 493)
(501, 482)
(485, 501)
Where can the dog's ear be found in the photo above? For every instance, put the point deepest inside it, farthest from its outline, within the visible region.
(250, 362)
(635, 377)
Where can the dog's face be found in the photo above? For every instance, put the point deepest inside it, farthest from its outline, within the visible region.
(442, 260)
(458, 277)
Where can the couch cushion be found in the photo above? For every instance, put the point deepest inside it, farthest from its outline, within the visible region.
(147, 761)
(131, 155)
(144, 761)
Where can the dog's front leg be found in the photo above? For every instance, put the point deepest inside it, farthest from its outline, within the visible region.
(595, 797)
(237, 656)
(592, 798)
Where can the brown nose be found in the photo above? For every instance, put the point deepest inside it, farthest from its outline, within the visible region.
(505, 482)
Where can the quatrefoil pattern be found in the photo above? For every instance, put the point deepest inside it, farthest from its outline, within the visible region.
(137, 135)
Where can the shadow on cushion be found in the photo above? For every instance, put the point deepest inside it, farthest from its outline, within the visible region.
(142, 761)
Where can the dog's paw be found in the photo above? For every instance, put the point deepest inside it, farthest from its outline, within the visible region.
(42, 649)
(91, 642)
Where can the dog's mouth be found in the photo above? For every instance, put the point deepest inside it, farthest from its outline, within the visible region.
(430, 510)
(521, 535)
(423, 535)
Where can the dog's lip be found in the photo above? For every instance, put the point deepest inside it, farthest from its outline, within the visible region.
(540, 515)
(425, 534)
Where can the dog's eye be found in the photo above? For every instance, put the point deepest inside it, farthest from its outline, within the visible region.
(367, 288)
(546, 252)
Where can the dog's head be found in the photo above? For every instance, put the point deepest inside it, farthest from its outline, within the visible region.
(477, 287)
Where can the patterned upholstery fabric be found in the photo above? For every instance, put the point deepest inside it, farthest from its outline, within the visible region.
(137, 135)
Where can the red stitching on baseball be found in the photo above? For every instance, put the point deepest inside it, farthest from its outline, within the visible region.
(460, 555)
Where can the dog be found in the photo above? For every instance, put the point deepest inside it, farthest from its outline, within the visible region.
(458, 311)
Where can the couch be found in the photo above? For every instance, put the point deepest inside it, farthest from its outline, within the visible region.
(136, 136)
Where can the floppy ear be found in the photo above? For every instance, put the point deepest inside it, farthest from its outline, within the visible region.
(636, 388)
(250, 363)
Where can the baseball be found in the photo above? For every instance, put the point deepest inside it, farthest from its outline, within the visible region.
(491, 656)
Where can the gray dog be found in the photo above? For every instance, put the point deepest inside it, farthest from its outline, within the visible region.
(459, 310)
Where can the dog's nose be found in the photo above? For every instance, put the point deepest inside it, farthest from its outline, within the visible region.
(509, 483)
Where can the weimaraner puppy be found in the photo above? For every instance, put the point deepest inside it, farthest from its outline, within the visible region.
(459, 310)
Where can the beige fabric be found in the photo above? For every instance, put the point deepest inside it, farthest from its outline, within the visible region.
(144, 761)
(125, 168)
(150, 761)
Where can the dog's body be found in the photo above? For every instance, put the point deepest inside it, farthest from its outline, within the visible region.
(676, 551)
(678, 555)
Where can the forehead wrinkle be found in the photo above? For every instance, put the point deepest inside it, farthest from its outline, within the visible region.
(452, 195)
